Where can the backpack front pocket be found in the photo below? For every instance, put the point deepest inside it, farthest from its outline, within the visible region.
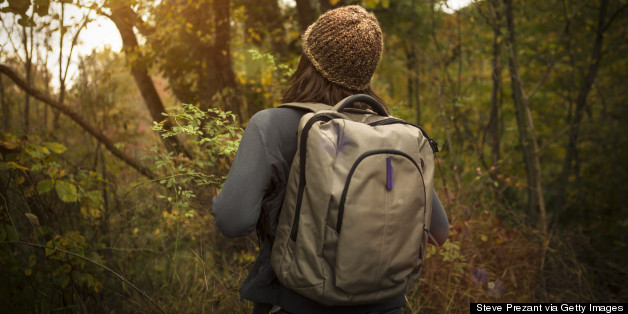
(380, 222)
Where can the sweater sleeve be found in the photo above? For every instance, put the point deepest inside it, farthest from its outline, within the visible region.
(439, 224)
(237, 207)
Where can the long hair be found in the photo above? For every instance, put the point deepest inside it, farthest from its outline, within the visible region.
(308, 85)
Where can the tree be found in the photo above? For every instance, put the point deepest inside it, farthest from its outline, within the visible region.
(306, 13)
(525, 125)
(108, 143)
(63, 70)
(492, 130)
(265, 21)
(190, 44)
(5, 109)
(586, 85)
(125, 18)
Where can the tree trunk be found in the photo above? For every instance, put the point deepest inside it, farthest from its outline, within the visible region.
(326, 5)
(47, 80)
(496, 77)
(28, 69)
(78, 119)
(5, 109)
(412, 65)
(443, 63)
(124, 18)
(525, 126)
(581, 101)
(306, 13)
(61, 99)
(223, 67)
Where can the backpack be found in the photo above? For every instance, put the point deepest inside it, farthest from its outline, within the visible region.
(354, 223)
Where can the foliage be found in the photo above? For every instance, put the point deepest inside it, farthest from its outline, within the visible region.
(61, 188)
(31, 171)
(262, 77)
(21, 7)
(215, 138)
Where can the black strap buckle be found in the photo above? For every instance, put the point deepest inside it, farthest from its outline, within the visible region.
(433, 144)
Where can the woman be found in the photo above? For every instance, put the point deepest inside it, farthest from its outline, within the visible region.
(340, 53)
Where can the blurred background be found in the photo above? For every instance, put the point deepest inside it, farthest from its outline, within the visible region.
(119, 120)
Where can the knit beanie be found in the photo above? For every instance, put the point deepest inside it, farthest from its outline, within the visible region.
(345, 45)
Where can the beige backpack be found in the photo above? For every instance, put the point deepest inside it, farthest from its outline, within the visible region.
(354, 223)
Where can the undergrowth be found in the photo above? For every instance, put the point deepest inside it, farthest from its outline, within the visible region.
(73, 241)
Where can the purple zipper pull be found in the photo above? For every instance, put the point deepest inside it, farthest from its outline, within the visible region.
(389, 173)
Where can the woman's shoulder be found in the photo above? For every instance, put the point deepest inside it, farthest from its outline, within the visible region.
(275, 117)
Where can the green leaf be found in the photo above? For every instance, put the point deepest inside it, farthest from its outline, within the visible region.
(37, 152)
(13, 165)
(32, 260)
(66, 191)
(95, 198)
(44, 186)
(55, 147)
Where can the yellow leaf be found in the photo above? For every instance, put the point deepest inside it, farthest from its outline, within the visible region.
(55, 147)
(9, 145)
(28, 272)
(499, 240)
(97, 285)
(484, 238)
(94, 212)
(15, 165)
(84, 212)
(28, 192)
(20, 180)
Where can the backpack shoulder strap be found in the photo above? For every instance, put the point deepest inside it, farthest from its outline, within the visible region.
(307, 106)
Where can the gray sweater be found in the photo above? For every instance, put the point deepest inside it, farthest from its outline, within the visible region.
(253, 193)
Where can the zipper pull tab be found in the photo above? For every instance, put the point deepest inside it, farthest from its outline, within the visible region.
(389, 173)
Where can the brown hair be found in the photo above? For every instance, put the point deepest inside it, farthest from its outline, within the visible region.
(308, 85)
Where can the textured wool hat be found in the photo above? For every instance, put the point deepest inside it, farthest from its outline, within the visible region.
(345, 45)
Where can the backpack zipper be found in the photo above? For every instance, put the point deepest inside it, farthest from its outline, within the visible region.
(343, 197)
(431, 141)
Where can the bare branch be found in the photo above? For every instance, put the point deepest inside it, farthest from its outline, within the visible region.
(78, 119)
(74, 41)
(613, 17)
(10, 36)
(553, 60)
